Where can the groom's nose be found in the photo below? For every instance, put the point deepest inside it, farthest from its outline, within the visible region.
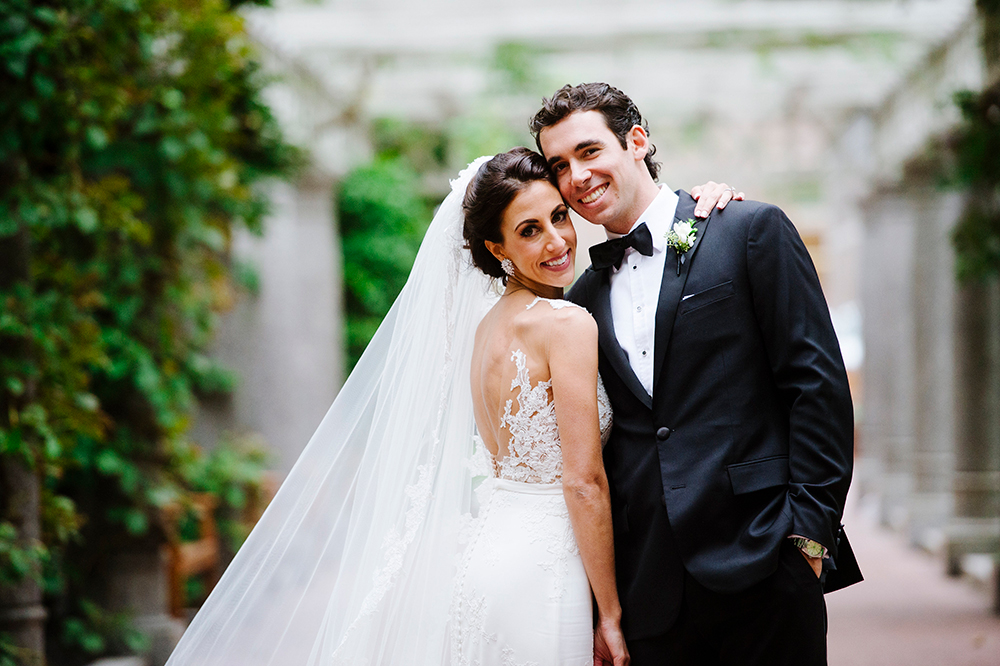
(579, 173)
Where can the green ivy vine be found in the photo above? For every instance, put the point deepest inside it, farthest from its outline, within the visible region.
(132, 133)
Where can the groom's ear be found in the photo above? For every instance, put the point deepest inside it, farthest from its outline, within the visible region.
(638, 142)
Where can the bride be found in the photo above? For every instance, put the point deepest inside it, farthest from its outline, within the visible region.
(522, 592)
(369, 553)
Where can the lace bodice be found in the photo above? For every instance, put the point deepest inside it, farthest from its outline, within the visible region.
(535, 453)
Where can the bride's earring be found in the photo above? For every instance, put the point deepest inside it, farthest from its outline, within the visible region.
(508, 267)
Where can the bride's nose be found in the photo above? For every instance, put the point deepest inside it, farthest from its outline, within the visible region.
(556, 243)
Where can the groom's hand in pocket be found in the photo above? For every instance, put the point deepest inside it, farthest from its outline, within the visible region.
(815, 562)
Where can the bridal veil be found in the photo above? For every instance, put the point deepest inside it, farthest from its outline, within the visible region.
(353, 561)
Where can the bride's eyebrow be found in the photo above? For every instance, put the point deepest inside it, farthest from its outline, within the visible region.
(524, 222)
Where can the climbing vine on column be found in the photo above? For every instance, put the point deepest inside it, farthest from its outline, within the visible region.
(132, 133)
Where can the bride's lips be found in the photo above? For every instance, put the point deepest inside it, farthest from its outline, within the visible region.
(559, 263)
(594, 194)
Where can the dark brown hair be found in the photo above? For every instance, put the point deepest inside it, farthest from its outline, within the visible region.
(619, 111)
(486, 198)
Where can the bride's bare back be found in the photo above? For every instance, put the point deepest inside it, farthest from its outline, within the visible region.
(512, 386)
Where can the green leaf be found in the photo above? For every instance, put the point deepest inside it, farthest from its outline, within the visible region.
(97, 138)
(172, 148)
(86, 220)
(45, 86)
(172, 98)
(15, 385)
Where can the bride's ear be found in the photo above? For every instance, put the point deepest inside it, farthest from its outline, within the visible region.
(496, 249)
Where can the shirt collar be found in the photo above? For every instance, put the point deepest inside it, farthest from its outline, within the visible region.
(658, 216)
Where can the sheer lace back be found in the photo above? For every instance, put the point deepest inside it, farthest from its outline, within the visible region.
(534, 453)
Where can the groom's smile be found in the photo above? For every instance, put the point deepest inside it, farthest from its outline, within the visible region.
(595, 194)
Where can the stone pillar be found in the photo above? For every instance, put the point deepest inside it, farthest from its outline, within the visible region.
(976, 525)
(21, 612)
(887, 422)
(137, 584)
(285, 342)
(930, 504)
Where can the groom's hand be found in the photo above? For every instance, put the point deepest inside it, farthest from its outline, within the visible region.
(609, 644)
(713, 194)
(815, 562)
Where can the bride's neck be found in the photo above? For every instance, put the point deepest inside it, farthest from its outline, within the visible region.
(536, 288)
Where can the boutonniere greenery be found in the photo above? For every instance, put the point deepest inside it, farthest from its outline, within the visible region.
(681, 237)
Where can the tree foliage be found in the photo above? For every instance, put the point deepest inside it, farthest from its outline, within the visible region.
(131, 135)
(976, 165)
(383, 212)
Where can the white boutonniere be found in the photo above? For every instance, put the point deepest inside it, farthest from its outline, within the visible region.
(681, 237)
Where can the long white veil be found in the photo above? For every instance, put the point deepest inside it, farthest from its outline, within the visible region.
(353, 561)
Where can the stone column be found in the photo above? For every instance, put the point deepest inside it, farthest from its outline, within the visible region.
(930, 504)
(136, 584)
(21, 612)
(284, 342)
(887, 416)
(976, 525)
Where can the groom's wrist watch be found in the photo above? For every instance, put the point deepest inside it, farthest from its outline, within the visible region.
(810, 548)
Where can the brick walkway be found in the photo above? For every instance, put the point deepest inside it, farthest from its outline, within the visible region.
(907, 612)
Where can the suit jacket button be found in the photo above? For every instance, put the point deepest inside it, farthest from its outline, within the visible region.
(662, 434)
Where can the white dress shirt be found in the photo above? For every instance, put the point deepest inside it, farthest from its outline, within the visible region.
(635, 288)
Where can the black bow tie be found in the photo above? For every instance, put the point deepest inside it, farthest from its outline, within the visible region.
(611, 253)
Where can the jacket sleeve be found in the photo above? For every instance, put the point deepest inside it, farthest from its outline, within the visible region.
(808, 370)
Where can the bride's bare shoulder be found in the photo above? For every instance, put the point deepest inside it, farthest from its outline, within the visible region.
(558, 320)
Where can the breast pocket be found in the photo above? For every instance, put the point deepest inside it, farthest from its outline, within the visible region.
(696, 301)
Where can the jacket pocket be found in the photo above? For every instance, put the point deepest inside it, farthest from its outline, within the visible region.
(706, 297)
(747, 477)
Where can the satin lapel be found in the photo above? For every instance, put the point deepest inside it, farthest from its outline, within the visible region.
(609, 342)
(672, 285)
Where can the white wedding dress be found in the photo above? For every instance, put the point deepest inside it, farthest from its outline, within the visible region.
(364, 556)
(521, 596)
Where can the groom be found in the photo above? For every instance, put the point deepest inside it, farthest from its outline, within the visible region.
(732, 448)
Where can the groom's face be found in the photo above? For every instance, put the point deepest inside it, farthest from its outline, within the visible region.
(598, 178)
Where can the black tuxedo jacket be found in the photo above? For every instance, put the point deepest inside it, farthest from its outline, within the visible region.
(748, 436)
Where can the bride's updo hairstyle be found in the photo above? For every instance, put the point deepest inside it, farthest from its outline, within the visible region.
(489, 193)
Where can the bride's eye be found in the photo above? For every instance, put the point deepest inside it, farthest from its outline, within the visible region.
(528, 231)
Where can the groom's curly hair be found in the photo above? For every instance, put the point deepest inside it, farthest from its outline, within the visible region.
(487, 196)
(619, 111)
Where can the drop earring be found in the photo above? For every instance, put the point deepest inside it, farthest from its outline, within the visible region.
(508, 267)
